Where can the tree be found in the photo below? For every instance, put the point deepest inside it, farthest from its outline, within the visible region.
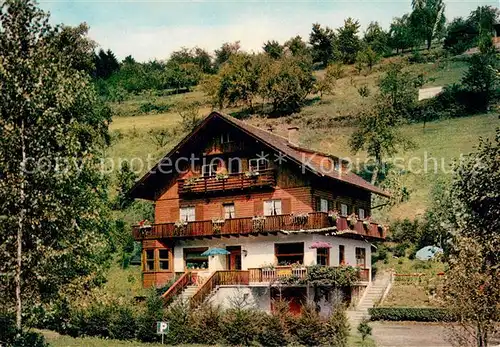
(322, 41)
(196, 56)
(53, 198)
(326, 83)
(377, 39)
(460, 36)
(369, 57)
(399, 88)
(126, 178)
(297, 46)
(483, 18)
(482, 76)
(105, 64)
(378, 133)
(287, 82)
(237, 80)
(427, 19)
(471, 286)
(348, 41)
(401, 34)
(273, 49)
(224, 53)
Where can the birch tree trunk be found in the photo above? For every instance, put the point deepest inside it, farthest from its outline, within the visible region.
(19, 306)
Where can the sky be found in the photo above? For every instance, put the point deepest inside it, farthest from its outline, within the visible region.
(153, 29)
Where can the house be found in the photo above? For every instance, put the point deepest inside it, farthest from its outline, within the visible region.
(272, 207)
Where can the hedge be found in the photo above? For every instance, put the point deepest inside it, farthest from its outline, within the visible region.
(417, 314)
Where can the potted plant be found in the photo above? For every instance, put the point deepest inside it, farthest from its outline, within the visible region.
(258, 223)
(144, 224)
(300, 219)
(367, 222)
(221, 176)
(251, 174)
(180, 227)
(352, 220)
(333, 215)
(217, 225)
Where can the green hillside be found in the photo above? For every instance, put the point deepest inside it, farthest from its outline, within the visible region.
(321, 127)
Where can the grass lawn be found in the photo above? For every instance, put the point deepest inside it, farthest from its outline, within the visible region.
(57, 340)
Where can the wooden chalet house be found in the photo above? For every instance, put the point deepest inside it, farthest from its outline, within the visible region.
(274, 207)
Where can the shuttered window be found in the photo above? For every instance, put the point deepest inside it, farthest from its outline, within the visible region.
(272, 207)
(344, 211)
(360, 257)
(361, 213)
(187, 214)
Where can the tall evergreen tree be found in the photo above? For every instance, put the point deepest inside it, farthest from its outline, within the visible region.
(53, 198)
(322, 41)
(348, 41)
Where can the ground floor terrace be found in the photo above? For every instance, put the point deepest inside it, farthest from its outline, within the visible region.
(253, 259)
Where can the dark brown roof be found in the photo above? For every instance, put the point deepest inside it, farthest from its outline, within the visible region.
(299, 155)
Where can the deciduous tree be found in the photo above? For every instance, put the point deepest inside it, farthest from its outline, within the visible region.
(53, 197)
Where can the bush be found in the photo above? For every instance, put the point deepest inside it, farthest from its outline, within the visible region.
(150, 107)
(309, 329)
(338, 326)
(178, 318)
(416, 314)
(206, 325)
(12, 337)
(364, 329)
(272, 332)
(123, 324)
(240, 326)
(146, 322)
(400, 249)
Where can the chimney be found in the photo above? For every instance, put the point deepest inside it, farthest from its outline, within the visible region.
(293, 135)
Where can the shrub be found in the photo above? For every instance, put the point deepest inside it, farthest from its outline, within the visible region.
(417, 314)
(123, 324)
(338, 326)
(400, 249)
(364, 329)
(147, 320)
(206, 325)
(240, 326)
(178, 318)
(272, 332)
(11, 336)
(309, 329)
(150, 107)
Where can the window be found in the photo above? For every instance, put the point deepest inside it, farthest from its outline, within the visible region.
(194, 260)
(323, 205)
(360, 257)
(361, 213)
(344, 211)
(187, 214)
(163, 259)
(234, 165)
(149, 260)
(225, 138)
(258, 164)
(229, 211)
(289, 253)
(323, 256)
(209, 170)
(341, 255)
(272, 207)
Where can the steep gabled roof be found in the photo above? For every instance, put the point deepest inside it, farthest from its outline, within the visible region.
(302, 156)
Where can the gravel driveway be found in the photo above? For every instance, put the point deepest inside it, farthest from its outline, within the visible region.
(392, 334)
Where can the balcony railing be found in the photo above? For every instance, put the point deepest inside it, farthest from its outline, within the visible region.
(229, 182)
(318, 221)
(257, 275)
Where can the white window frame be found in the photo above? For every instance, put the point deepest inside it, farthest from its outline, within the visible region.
(187, 214)
(272, 207)
(225, 138)
(361, 213)
(258, 164)
(344, 210)
(209, 170)
(229, 211)
(323, 205)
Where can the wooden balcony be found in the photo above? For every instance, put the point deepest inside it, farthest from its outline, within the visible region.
(229, 183)
(236, 227)
(269, 275)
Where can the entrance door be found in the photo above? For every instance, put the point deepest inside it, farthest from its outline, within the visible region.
(234, 257)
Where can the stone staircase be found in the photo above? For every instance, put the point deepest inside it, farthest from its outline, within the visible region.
(371, 297)
(186, 294)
